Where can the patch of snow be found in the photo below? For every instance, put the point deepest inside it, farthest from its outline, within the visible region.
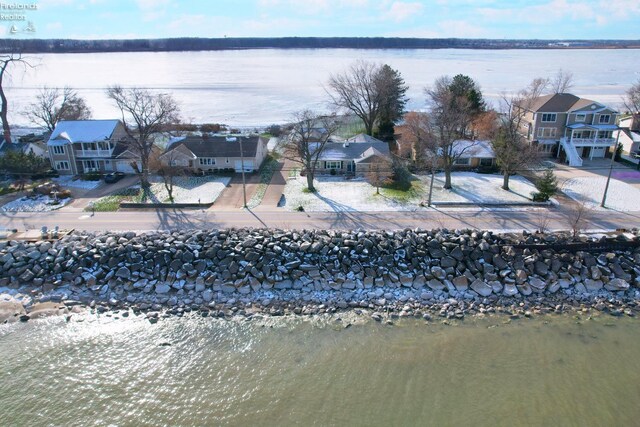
(471, 187)
(38, 204)
(620, 196)
(336, 194)
(205, 189)
(69, 182)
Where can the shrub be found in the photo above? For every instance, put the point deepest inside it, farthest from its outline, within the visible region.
(332, 172)
(547, 186)
(300, 209)
(64, 194)
(401, 175)
(91, 176)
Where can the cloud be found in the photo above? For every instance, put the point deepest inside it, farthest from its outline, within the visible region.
(401, 11)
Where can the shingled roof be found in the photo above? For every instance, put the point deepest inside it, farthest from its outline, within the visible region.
(219, 146)
(559, 103)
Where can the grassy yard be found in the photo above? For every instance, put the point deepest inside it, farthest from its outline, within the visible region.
(112, 202)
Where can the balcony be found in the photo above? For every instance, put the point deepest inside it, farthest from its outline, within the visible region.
(93, 153)
(592, 142)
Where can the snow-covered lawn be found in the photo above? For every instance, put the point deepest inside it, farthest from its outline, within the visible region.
(38, 204)
(471, 187)
(189, 189)
(620, 196)
(335, 194)
(68, 182)
(338, 194)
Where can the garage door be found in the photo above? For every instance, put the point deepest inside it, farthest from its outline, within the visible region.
(124, 166)
(248, 166)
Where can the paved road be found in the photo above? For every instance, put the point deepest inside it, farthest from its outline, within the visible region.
(192, 219)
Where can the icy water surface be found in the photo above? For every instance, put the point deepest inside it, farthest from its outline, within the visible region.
(194, 371)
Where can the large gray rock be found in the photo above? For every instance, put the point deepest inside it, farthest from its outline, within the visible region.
(509, 290)
(481, 287)
(123, 273)
(435, 284)
(438, 273)
(162, 288)
(537, 284)
(593, 285)
(461, 283)
(617, 285)
(541, 268)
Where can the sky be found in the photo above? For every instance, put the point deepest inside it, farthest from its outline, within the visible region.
(517, 19)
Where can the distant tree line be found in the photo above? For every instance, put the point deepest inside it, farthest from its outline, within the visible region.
(193, 44)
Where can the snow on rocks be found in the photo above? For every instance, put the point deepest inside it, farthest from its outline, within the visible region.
(620, 196)
(37, 204)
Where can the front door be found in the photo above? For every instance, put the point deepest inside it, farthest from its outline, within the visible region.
(350, 167)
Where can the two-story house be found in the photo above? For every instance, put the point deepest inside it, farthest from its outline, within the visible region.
(80, 146)
(570, 127)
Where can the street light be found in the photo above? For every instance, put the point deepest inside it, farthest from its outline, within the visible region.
(244, 188)
(613, 157)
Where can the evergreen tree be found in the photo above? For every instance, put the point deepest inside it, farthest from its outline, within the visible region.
(547, 186)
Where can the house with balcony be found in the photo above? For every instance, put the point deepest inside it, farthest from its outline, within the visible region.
(77, 147)
(570, 128)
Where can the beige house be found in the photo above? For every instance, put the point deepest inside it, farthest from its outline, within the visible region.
(80, 146)
(202, 154)
(571, 127)
(629, 136)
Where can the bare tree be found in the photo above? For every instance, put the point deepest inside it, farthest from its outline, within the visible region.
(578, 216)
(562, 82)
(54, 104)
(144, 114)
(307, 140)
(632, 102)
(416, 136)
(379, 173)
(168, 169)
(5, 61)
(370, 91)
(449, 116)
(513, 152)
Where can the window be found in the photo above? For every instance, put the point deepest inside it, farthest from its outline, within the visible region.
(549, 117)
(90, 165)
(486, 162)
(581, 117)
(58, 149)
(334, 165)
(547, 132)
(547, 148)
(604, 118)
(62, 166)
(462, 161)
(207, 161)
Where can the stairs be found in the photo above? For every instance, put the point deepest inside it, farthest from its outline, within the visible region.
(572, 154)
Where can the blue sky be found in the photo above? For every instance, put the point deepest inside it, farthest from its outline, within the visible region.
(87, 19)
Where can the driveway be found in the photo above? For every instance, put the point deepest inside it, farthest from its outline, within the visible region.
(82, 198)
(276, 187)
(232, 196)
(598, 168)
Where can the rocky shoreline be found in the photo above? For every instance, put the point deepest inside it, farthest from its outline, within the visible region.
(426, 274)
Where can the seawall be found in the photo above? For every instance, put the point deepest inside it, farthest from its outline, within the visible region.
(249, 271)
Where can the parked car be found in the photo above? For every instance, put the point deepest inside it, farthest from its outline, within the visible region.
(112, 177)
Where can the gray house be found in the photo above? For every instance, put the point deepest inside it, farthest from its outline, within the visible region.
(352, 156)
(216, 153)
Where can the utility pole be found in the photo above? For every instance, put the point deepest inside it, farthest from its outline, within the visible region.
(244, 185)
(613, 157)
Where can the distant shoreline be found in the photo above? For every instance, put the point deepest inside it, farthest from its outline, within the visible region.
(365, 43)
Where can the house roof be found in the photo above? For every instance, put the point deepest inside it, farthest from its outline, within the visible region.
(564, 102)
(473, 149)
(363, 137)
(219, 146)
(82, 131)
(347, 150)
(20, 146)
(369, 155)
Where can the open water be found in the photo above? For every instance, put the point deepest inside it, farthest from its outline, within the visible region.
(552, 370)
